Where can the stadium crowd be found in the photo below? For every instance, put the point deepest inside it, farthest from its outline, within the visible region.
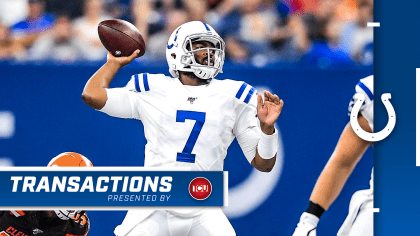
(324, 33)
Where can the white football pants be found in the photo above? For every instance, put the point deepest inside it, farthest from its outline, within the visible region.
(209, 222)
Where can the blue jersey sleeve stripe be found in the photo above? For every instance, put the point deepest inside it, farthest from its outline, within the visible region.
(136, 81)
(248, 97)
(241, 90)
(367, 91)
(145, 82)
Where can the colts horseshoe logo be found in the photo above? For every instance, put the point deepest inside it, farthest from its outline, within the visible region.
(373, 137)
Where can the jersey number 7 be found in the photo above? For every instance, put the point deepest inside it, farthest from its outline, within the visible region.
(200, 118)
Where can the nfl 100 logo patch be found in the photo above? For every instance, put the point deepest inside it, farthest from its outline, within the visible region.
(191, 99)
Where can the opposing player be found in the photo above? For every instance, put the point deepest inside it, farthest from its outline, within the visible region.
(350, 148)
(189, 120)
(51, 223)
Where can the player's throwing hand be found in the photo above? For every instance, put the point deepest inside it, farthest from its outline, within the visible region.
(269, 111)
(122, 61)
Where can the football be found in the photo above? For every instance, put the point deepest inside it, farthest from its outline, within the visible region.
(121, 38)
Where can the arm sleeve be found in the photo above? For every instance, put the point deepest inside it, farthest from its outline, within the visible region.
(121, 103)
(247, 130)
(365, 86)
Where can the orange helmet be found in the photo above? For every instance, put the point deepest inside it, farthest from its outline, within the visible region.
(68, 159)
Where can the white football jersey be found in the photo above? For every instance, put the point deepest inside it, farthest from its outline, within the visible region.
(188, 126)
(365, 86)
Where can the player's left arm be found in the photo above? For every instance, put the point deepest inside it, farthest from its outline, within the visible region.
(268, 113)
(348, 152)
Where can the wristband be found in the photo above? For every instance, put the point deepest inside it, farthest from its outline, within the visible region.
(315, 209)
(268, 145)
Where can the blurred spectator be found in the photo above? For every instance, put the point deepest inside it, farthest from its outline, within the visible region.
(317, 35)
(9, 49)
(196, 9)
(118, 9)
(356, 35)
(86, 27)
(13, 11)
(215, 3)
(60, 45)
(256, 31)
(311, 27)
(149, 15)
(142, 12)
(366, 58)
(73, 7)
(156, 45)
(347, 10)
(281, 37)
(217, 11)
(38, 21)
(326, 53)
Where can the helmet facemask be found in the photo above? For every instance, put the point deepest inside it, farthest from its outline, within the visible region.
(69, 214)
(215, 56)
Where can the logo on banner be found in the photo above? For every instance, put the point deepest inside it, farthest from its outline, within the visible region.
(372, 137)
(200, 188)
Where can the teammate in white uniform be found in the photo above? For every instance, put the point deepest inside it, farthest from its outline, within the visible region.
(350, 148)
(189, 120)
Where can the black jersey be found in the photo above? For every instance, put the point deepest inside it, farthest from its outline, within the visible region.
(41, 223)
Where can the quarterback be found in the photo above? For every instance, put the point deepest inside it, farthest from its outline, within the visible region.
(350, 148)
(190, 120)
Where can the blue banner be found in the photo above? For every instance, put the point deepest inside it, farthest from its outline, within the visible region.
(107, 188)
(397, 178)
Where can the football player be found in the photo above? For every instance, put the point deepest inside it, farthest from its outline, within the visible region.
(350, 148)
(189, 119)
(49, 223)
